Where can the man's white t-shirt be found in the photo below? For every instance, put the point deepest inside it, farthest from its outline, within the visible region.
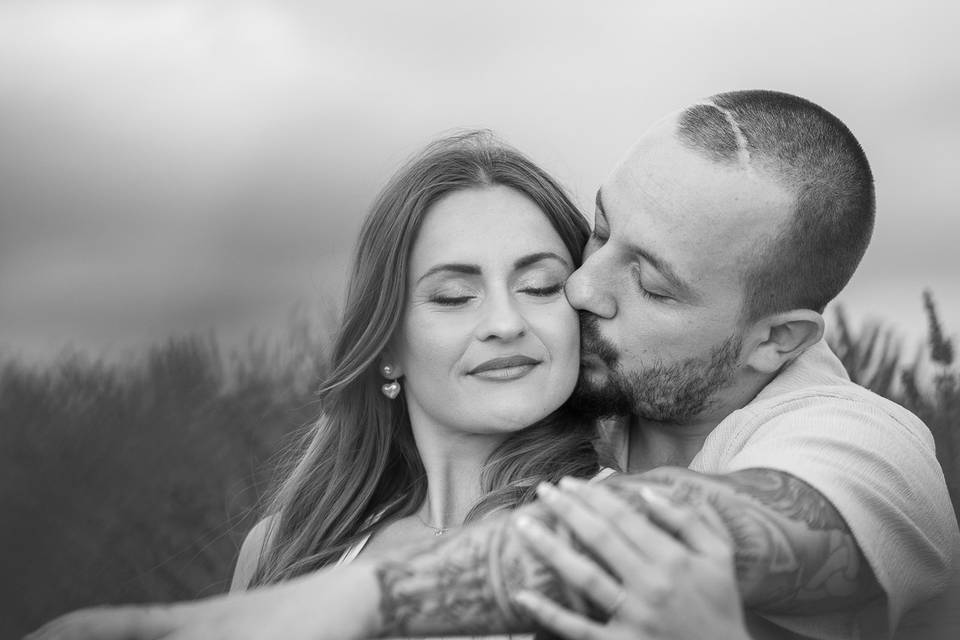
(872, 459)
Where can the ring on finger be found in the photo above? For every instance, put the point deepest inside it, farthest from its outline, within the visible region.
(617, 602)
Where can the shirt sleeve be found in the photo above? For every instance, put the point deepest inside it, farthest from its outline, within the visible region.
(877, 466)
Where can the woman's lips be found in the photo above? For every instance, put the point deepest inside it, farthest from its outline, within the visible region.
(504, 368)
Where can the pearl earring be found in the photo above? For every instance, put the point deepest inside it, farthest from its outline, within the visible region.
(392, 388)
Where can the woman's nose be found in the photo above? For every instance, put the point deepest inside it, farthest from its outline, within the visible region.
(501, 319)
(591, 288)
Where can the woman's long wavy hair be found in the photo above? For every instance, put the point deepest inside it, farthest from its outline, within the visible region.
(360, 467)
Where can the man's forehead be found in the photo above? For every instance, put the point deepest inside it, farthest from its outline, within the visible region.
(692, 210)
(662, 174)
(660, 131)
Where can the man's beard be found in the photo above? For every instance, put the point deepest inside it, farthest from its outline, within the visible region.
(672, 393)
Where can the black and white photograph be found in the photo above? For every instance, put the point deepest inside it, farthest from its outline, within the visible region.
(521, 319)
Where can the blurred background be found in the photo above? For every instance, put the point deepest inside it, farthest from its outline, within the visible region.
(181, 183)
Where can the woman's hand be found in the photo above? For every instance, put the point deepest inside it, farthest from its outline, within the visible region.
(666, 574)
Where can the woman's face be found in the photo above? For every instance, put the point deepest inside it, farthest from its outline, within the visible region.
(487, 342)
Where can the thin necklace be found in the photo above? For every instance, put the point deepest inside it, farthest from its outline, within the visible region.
(437, 531)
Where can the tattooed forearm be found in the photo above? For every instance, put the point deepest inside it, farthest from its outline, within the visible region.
(794, 552)
(462, 584)
(788, 496)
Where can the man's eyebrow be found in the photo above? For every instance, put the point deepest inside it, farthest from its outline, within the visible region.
(453, 267)
(661, 265)
(534, 258)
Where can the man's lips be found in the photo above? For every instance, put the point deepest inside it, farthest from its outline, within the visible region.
(502, 365)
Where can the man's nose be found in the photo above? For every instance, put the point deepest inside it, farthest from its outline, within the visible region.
(501, 319)
(591, 288)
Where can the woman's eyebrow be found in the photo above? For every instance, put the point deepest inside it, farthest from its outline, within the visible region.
(453, 267)
(474, 270)
(533, 258)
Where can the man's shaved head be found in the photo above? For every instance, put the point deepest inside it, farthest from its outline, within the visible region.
(811, 154)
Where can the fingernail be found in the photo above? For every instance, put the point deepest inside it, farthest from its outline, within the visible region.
(653, 497)
(546, 490)
(523, 598)
(524, 522)
(528, 527)
(571, 484)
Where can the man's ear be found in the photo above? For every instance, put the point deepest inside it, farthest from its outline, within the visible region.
(779, 338)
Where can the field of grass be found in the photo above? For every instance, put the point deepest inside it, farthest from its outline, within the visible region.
(137, 481)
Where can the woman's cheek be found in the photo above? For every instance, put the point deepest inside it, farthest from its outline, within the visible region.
(561, 328)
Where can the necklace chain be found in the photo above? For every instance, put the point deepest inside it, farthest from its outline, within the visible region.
(437, 531)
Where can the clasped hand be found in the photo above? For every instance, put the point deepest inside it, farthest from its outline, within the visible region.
(665, 571)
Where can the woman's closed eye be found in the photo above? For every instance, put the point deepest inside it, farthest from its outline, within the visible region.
(543, 291)
(451, 300)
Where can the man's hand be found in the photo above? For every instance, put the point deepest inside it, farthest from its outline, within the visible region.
(669, 571)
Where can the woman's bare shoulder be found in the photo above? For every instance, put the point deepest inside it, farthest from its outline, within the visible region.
(250, 550)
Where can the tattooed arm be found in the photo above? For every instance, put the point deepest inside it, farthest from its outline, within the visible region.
(793, 553)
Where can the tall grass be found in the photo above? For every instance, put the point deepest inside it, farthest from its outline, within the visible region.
(137, 481)
(928, 385)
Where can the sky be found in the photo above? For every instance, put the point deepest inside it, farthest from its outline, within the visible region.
(171, 167)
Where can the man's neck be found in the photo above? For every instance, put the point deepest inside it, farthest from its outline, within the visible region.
(655, 444)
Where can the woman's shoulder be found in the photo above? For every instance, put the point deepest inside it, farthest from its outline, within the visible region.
(250, 551)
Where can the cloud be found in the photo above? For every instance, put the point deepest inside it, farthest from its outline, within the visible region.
(178, 165)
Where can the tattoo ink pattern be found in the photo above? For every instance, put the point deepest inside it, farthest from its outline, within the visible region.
(789, 496)
(793, 553)
(438, 588)
(463, 583)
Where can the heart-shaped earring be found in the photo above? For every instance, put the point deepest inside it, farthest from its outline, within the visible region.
(391, 389)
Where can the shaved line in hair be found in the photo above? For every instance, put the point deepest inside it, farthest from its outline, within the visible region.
(743, 152)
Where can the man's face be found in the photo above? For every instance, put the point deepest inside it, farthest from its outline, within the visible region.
(660, 289)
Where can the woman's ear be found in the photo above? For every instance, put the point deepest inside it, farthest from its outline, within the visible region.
(781, 337)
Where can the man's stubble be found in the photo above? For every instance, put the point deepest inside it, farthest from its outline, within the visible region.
(673, 393)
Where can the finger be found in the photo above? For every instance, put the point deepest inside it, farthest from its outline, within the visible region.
(602, 538)
(688, 524)
(562, 622)
(571, 595)
(628, 517)
(624, 514)
(574, 569)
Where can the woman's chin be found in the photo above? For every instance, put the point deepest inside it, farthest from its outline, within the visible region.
(513, 414)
